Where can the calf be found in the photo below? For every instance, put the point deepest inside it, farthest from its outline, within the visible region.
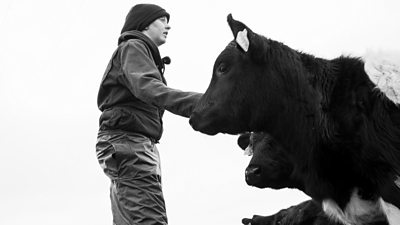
(270, 167)
(306, 213)
(338, 125)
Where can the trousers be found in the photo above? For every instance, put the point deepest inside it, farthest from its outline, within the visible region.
(132, 162)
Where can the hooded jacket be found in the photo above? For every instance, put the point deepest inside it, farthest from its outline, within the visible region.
(133, 92)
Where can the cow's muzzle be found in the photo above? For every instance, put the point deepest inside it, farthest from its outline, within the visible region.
(202, 124)
(253, 175)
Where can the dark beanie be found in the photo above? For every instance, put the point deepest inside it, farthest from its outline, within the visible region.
(142, 15)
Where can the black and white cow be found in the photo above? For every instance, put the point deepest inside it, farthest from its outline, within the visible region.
(270, 167)
(339, 125)
(306, 213)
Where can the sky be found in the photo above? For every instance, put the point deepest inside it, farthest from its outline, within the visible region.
(53, 55)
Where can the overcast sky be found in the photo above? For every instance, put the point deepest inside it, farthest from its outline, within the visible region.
(53, 55)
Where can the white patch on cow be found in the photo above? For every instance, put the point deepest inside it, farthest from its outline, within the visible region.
(383, 69)
(248, 151)
(397, 182)
(357, 211)
(243, 40)
(333, 211)
(392, 212)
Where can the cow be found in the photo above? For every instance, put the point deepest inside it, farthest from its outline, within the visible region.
(339, 124)
(306, 213)
(270, 167)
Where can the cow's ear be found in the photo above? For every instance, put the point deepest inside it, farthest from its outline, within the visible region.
(240, 33)
(249, 42)
(235, 25)
(244, 140)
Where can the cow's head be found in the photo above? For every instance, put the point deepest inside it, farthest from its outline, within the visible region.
(270, 165)
(257, 84)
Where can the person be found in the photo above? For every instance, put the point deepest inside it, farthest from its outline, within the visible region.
(132, 98)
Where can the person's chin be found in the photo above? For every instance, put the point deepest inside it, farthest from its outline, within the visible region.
(162, 41)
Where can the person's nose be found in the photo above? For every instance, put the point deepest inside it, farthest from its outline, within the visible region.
(167, 26)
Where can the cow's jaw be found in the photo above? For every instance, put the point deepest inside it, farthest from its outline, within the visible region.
(211, 123)
(202, 129)
(360, 211)
(199, 123)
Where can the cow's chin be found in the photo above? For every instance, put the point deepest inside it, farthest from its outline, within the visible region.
(212, 126)
(213, 130)
(203, 127)
(256, 183)
(207, 131)
(261, 183)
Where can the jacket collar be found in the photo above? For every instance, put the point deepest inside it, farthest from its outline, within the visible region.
(134, 34)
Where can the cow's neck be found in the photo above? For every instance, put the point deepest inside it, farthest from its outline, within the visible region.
(297, 183)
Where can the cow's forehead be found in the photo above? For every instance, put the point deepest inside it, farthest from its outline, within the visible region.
(232, 46)
(228, 52)
(259, 135)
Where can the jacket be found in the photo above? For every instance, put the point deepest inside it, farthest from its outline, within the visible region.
(133, 93)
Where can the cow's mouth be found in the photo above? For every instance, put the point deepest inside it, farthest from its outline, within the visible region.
(202, 125)
(205, 130)
(214, 124)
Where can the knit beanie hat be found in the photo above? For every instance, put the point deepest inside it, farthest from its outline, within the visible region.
(142, 15)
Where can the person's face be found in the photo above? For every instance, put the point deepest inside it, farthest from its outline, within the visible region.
(158, 30)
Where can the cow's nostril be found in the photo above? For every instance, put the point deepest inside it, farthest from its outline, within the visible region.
(254, 170)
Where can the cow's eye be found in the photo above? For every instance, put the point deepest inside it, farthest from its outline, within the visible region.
(222, 68)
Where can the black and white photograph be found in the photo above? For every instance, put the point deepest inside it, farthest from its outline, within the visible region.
(223, 112)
